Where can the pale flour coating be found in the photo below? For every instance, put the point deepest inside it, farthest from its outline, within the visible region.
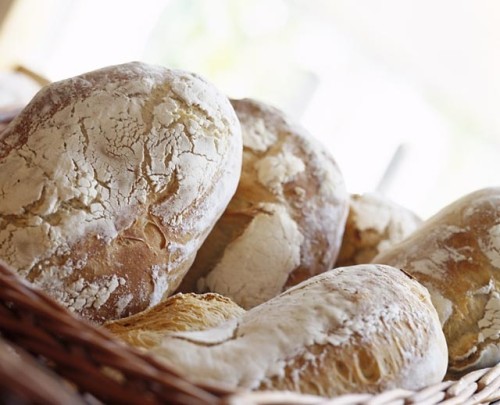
(285, 222)
(131, 157)
(354, 329)
(276, 245)
(275, 171)
(456, 255)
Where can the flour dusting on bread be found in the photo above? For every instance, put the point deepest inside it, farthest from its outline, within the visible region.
(127, 156)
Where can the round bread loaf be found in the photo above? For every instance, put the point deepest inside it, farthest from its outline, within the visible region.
(286, 220)
(365, 328)
(110, 181)
(456, 255)
(180, 312)
(374, 224)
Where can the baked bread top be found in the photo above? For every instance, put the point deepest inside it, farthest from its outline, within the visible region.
(110, 181)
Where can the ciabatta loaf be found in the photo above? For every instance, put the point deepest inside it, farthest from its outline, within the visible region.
(364, 328)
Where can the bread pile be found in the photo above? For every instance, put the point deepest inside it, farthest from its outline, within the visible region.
(219, 237)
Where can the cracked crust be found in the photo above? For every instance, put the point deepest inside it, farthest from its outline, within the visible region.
(374, 224)
(456, 255)
(286, 220)
(365, 328)
(111, 180)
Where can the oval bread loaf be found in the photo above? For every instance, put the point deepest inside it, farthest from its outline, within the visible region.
(286, 220)
(456, 255)
(364, 328)
(374, 224)
(110, 181)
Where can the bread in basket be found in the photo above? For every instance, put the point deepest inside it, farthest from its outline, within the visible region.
(43, 344)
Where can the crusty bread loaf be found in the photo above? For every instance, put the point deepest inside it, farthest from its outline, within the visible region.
(374, 224)
(111, 180)
(363, 328)
(456, 255)
(286, 220)
(180, 312)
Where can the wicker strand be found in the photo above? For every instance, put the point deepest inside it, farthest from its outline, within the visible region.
(36, 383)
(430, 395)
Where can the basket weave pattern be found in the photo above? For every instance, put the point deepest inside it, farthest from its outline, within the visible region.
(96, 366)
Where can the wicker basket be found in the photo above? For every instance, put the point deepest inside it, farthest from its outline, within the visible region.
(47, 355)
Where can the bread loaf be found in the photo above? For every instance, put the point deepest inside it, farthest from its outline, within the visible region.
(110, 181)
(286, 220)
(456, 255)
(364, 328)
(180, 312)
(374, 224)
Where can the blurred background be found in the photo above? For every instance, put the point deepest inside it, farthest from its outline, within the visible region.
(404, 93)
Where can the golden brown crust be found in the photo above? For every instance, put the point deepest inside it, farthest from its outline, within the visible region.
(180, 312)
(291, 195)
(456, 255)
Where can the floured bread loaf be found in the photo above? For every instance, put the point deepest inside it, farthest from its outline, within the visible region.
(285, 222)
(456, 255)
(110, 181)
(180, 312)
(363, 328)
(374, 224)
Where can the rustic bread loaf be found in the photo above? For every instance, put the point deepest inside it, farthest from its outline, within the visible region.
(110, 181)
(456, 255)
(180, 312)
(374, 224)
(286, 220)
(363, 328)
